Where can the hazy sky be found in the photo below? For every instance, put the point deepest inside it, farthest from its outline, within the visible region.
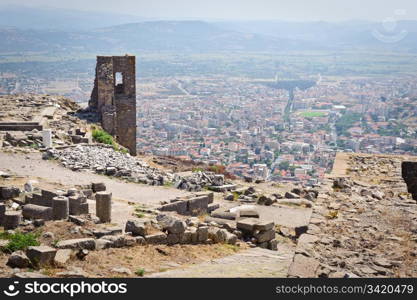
(297, 10)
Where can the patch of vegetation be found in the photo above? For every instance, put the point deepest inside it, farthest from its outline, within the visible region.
(103, 137)
(168, 184)
(140, 272)
(332, 214)
(19, 241)
(55, 243)
(284, 165)
(235, 196)
(312, 114)
(347, 121)
(122, 150)
(234, 248)
(139, 211)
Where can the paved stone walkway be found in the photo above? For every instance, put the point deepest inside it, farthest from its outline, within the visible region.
(251, 263)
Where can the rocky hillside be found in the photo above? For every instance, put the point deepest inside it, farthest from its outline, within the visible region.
(364, 223)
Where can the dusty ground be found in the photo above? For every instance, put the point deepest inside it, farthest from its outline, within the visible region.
(102, 263)
(32, 165)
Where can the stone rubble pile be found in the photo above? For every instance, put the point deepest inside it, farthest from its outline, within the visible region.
(21, 139)
(103, 159)
(195, 204)
(33, 206)
(197, 180)
(259, 233)
(163, 230)
(298, 196)
(24, 117)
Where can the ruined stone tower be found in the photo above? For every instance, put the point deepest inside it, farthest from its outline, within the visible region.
(114, 97)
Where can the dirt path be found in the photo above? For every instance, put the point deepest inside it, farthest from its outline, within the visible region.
(33, 166)
(251, 263)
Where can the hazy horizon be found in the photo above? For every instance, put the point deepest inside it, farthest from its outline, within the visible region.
(261, 10)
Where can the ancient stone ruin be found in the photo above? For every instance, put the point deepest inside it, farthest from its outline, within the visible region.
(114, 97)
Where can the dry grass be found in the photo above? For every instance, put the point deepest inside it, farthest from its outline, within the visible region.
(150, 258)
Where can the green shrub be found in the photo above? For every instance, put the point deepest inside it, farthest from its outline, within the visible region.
(103, 137)
(19, 241)
(140, 272)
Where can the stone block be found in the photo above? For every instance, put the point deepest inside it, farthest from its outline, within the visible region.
(247, 225)
(48, 196)
(60, 208)
(156, 238)
(37, 199)
(222, 214)
(217, 235)
(202, 234)
(9, 192)
(273, 245)
(41, 255)
(77, 220)
(102, 244)
(186, 237)
(194, 234)
(303, 267)
(197, 205)
(248, 213)
(212, 207)
(32, 212)
(174, 238)
(84, 243)
(264, 236)
(2, 212)
(103, 206)
(62, 257)
(223, 188)
(98, 187)
(171, 224)
(75, 202)
(100, 232)
(12, 219)
(179, 207)
(137, 227)
(84, 208)
(120, 240)
(227, 224)
(88, 193)
(18, 259)
(264, 225)
(231, 238)
(28, 198)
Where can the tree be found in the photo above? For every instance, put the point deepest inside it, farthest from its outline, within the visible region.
(284, 165)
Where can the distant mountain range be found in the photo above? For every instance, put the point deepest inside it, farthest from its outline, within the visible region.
(23, 29)
(25, 17)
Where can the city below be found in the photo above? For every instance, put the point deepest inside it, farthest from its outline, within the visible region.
(277, 130)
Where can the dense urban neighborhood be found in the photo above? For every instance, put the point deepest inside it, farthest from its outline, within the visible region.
(279, 130)
(256, 129)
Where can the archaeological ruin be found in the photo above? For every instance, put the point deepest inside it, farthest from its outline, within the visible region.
(114, 97)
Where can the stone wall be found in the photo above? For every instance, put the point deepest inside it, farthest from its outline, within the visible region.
(409, 173)
(116, 102)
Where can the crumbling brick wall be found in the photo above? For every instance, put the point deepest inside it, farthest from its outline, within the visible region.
(116, 102)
